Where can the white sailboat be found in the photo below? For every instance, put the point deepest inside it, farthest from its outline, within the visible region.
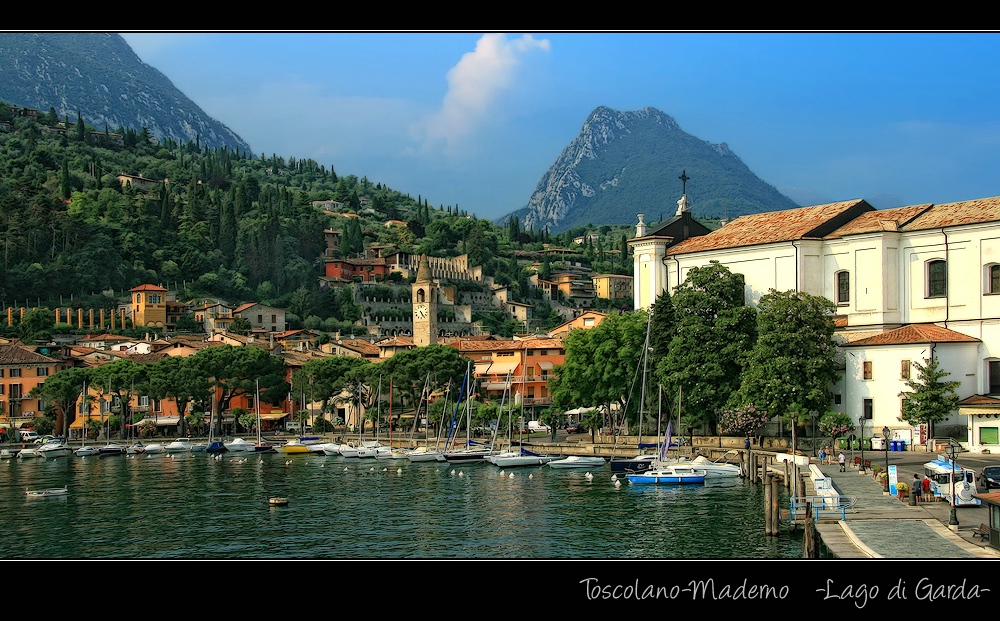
(472, 452)
(85, 450)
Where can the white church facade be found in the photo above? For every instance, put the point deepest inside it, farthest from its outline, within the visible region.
(907, 282)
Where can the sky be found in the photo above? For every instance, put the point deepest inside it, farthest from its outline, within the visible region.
(475, 119)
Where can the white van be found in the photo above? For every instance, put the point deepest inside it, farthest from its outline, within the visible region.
(536, 425)
(28, 435)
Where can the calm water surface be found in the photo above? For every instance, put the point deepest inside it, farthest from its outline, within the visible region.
(193, 506)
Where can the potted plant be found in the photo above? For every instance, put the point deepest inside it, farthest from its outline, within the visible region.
(903, 490)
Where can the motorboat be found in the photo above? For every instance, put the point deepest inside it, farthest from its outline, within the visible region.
(296, 447)
(85, 451)
(27, 453)
(639, 463)
(6, 453)
(715, 469)
(424, 454)
(45, 493)
(668, 474)
(154, 449)
(111, 449)
(180, 445)
(577, 461)
(57, 447)
(239, 445)
(523, 457)
(136, 448)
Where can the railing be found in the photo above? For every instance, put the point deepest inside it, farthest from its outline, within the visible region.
(821, 506)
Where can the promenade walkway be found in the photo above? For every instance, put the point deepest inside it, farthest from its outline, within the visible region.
(881, 526)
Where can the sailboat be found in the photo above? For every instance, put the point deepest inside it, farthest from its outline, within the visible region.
(426, 453)
(521, 456)
(85, 450)
(472, 451)
(214, 446)
(110, 449)
(642, 461)
(261, 446)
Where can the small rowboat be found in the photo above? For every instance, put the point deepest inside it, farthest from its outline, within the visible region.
(42, 493)
(278, 501)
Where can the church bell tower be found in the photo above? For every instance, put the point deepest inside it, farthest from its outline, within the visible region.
(425, 297)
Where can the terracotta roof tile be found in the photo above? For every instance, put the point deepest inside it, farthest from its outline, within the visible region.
(880, 220)
(956, 214)
(980, 400)
(775, 226)
(15, 354)
(914, 334)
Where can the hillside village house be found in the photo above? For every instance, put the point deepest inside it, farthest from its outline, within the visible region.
(21, 370)
(261, 316)
(907, 282)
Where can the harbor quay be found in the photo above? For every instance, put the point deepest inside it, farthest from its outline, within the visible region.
(878, 525)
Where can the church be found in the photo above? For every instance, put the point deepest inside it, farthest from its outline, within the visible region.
(907, 283)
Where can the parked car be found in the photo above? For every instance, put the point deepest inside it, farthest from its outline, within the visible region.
(990, 477)
(28, 435)
(574, 428)
(44, 439)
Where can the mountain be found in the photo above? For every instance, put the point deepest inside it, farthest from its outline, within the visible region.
(97, 75)
(624, 163)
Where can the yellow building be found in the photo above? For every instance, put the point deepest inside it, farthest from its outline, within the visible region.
(149, 306)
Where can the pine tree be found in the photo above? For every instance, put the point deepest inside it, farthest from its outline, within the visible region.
(931, 400)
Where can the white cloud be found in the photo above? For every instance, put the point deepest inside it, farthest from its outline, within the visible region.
(475, 86)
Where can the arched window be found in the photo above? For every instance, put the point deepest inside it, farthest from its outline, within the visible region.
(937, 278)
(843, 293)
(992, 278)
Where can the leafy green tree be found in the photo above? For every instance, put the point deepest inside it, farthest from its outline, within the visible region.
(240, 325)
(744, 420)
(714, 330)
(117, 382)
(835, 425)
(180, 379)
(37, 325)
(930, 399)
(793, 360)
(599, 363)
(324, 379)
(63, 390)
(435, 365)
(239, 371)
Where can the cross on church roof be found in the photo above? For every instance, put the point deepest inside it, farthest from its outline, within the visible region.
(684, 179)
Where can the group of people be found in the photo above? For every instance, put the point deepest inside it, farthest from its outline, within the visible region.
(922, 488)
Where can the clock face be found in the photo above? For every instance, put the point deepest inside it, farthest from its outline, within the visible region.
(420, 311)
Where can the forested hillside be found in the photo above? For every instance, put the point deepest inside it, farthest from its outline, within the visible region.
(217, 223)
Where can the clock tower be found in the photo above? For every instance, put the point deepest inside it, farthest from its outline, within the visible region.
(425, 296)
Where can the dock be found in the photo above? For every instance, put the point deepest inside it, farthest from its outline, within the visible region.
(878, 525)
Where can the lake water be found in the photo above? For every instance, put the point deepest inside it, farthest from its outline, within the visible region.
(193, 506)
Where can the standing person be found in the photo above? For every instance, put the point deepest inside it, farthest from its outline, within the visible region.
(842, 461)
(822, 455)
(917, 488)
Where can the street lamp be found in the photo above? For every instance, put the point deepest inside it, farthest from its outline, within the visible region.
(861, 419)
(952, 516)
(885, 446)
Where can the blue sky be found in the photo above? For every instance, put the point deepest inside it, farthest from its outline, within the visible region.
(476, 119)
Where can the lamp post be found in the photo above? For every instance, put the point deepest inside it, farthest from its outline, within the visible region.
(885, 447)
(952, 515)
(861, 466)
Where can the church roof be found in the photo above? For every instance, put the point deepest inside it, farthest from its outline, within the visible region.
(776, 226)
(914, 334)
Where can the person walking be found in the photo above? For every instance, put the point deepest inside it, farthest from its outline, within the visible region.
(842, 461)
